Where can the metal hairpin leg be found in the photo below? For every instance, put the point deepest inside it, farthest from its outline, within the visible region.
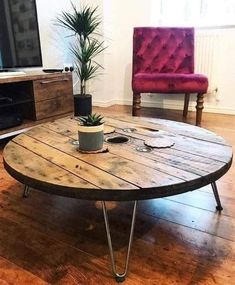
(216, 194)
(26, 191)
(120, 277)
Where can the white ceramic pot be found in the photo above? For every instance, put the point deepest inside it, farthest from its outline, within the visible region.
(91, 138)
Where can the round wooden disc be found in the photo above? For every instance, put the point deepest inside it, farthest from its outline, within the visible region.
(159, 142)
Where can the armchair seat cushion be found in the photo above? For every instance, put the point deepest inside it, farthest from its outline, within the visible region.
(169, 83)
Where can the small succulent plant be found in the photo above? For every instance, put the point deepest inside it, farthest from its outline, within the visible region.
(91, 120)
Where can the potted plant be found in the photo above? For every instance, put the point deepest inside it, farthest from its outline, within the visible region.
(91, 133)
(84, 25)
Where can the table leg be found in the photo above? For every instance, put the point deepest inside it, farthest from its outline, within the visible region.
(26, 191)
(120, 277)
(216, 194)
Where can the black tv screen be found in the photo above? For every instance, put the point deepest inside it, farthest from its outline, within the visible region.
(19, 34)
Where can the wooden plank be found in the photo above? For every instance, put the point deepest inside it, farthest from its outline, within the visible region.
(152, 125)
(205, 149)
(188, 145)
(150, 160)
(94, 248)
(127, 170)
(58, 261)
(46, 257)
(59, 214)
(126, 151)
(13, 274)
(22, 161)
(154, 239)
(163, 245)
(190, 131)
(211, 223)
(68, 161)
(195, 165)
(205, 200)
(142, 127)
(178, 159)
(68, 126)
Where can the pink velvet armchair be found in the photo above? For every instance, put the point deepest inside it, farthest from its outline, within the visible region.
(163, 62)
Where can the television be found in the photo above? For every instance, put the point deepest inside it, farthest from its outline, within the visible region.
(19, 35)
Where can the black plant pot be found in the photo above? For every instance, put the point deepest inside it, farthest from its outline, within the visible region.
(82, 105)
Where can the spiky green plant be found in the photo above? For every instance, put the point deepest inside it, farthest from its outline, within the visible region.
(91, 120)
(84, 25)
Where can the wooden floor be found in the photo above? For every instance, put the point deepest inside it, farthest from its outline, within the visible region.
(46, 239)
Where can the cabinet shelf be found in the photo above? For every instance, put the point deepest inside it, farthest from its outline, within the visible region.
(15, 103)
(37, 97)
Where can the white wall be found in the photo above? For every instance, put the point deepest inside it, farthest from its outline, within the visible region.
(120, 17)
(54, 44)
(114, 86)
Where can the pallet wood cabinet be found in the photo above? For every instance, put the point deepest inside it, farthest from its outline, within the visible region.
(37, 96)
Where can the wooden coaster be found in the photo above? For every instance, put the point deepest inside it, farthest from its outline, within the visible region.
(159, 142)
(108, 130)
(103, 150)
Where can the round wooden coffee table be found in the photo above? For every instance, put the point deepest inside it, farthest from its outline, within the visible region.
(187, 158)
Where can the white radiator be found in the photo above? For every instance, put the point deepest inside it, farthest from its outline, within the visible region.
(207, 57)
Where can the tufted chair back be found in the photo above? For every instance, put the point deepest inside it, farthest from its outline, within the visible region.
(163, 50)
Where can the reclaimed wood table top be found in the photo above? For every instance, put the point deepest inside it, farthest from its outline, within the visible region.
(45, 158)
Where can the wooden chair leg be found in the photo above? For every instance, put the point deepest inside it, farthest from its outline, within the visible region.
(199, 108)
(186, 102)
(136, 104)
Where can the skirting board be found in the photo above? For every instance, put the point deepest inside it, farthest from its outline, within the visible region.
(167, 105)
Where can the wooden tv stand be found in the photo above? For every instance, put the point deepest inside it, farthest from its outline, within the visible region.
(38, 96)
